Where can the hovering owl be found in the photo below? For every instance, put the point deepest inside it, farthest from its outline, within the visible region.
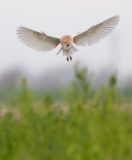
(42, 42)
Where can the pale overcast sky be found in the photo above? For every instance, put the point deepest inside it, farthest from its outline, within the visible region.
(60, 17)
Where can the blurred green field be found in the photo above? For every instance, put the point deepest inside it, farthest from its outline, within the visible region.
(75, 122)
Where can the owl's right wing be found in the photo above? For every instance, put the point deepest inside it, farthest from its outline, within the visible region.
(38, 41)
(97, 32)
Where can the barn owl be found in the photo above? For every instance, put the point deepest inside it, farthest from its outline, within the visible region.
(42, 42)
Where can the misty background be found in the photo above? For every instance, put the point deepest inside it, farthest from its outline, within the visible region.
(57, 18)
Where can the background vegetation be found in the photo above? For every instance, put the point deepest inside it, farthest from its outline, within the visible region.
(76, 122)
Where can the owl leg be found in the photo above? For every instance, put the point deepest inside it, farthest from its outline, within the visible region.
(70, 58)
(67, 58)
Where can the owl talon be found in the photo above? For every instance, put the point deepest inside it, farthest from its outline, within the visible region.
(70, 58)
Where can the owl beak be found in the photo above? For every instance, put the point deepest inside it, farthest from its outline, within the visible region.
(67, 44)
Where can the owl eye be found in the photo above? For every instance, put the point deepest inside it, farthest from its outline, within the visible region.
(67, 45)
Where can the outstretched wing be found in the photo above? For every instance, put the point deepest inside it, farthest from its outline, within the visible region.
(36, 40)
(96, 33)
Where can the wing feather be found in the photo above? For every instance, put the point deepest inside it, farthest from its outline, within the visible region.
(96, 33)
(38, 41)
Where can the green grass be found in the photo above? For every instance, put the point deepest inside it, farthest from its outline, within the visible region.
(73, 123)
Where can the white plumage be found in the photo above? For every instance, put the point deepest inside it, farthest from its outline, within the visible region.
(42, 42)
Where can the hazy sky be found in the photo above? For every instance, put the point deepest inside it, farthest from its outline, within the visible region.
(60, 17)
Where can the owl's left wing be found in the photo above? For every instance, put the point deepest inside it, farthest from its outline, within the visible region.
(38, 41)
(96, 33)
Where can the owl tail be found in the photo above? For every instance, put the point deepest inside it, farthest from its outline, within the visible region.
(67, 52)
